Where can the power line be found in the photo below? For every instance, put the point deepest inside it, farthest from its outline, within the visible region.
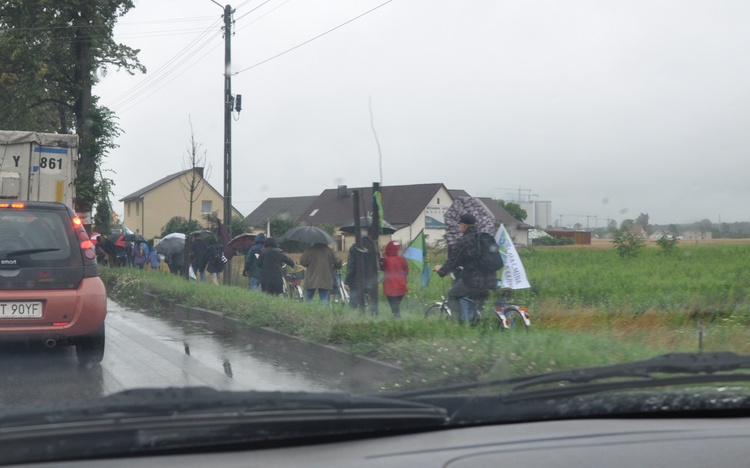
(261, 16)
(237, 19)
(312, 39)
(169, 67)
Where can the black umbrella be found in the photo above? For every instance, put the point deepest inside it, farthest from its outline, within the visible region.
(364, 223)
(133, 238)
(171, 246)
(205, 235)
(309, 234)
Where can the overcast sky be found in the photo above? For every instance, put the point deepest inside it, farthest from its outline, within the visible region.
(606, 109)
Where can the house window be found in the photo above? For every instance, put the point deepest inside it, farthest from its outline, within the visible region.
(206, 207)
(137, 209)
(128, 207)
(438, 201)
(314, 211)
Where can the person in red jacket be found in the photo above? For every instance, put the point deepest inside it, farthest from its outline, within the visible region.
(395, 271)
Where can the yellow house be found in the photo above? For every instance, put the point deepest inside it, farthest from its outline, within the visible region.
(149, 209)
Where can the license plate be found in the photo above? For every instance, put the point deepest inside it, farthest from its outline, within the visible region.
(20, 309)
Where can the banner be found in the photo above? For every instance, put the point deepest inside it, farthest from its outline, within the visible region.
(514, 275)
(416, 255)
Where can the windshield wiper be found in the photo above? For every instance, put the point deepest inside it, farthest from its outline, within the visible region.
(692, 367)
(17, 253)
(173, 419)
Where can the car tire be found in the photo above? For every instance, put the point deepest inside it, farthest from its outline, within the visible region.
(90, 348)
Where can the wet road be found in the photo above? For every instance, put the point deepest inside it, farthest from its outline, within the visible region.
(144, 351)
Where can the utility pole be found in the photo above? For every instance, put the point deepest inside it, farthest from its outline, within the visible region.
(228, 107)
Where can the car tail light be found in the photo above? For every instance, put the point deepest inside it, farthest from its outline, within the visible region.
(13, 205)
(87, 247)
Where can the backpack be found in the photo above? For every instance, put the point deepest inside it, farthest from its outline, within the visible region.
(490, 259)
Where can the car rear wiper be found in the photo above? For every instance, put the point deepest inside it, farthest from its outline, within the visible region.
(159, 420)
(18, 253)
(692, 367)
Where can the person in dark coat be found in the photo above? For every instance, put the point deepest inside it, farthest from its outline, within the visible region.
(371, 264)
(216, 262)
(270, 261)
(175, 263)
(463, 261)
(199, 252)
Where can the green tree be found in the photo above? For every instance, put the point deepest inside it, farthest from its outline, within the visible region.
(514, 209)
(103, 212)
(642, 220)
(49, 71)
(180, 224)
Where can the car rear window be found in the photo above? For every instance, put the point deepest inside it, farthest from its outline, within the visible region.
(31, 229)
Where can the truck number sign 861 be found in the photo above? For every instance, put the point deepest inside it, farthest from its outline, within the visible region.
(50, 163)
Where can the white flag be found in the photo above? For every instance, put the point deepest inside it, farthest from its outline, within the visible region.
(514, 275)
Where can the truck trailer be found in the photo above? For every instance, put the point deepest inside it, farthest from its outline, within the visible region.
(38, 166)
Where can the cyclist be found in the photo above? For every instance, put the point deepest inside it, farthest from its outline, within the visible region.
(463, 262)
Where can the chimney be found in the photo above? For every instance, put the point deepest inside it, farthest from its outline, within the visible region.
(342, 192)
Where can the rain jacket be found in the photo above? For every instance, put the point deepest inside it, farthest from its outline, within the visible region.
(395, 270)
(465, 254)
(140, 254)
(320, 262)
(251, 259)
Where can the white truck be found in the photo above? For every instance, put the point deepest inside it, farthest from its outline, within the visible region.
(38, 166)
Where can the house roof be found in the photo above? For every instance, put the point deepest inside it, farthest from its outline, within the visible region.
(402, 204)
(501, 214)
(284, 208)
(140, 193)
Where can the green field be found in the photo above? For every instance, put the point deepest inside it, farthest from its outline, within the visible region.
(589, 307)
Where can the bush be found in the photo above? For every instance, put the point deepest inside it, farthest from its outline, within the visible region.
(628, 244)
(667, 244)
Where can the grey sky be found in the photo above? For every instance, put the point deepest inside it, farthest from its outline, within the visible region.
(604, 108)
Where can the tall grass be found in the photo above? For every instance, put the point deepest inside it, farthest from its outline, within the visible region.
(589, 307)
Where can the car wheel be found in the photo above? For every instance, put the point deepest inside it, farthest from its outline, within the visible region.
(90, 348)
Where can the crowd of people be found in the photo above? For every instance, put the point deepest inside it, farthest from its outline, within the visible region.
(264, 264)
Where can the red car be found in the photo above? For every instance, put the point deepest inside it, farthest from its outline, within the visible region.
(50, 290)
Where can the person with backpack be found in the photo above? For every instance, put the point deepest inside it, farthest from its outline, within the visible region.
(469, 260)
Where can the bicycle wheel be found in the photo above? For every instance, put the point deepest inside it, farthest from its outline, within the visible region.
(515, 320)
(296, 292)
(437, 312)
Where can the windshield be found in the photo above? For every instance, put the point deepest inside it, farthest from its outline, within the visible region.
(388, 199)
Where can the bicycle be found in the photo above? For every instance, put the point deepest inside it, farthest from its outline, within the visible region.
(293, 285)
(339, 294)
(510, 315)
(441, 311)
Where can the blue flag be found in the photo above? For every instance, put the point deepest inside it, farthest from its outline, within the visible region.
(416, 255)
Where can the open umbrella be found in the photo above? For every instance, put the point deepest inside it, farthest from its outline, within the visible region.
(133, 238)
(205, 235)
(309, 234)
(365, 222)
(485, 220)
(171, 246)
(171, 235)
(242, 241)
(119, 241)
